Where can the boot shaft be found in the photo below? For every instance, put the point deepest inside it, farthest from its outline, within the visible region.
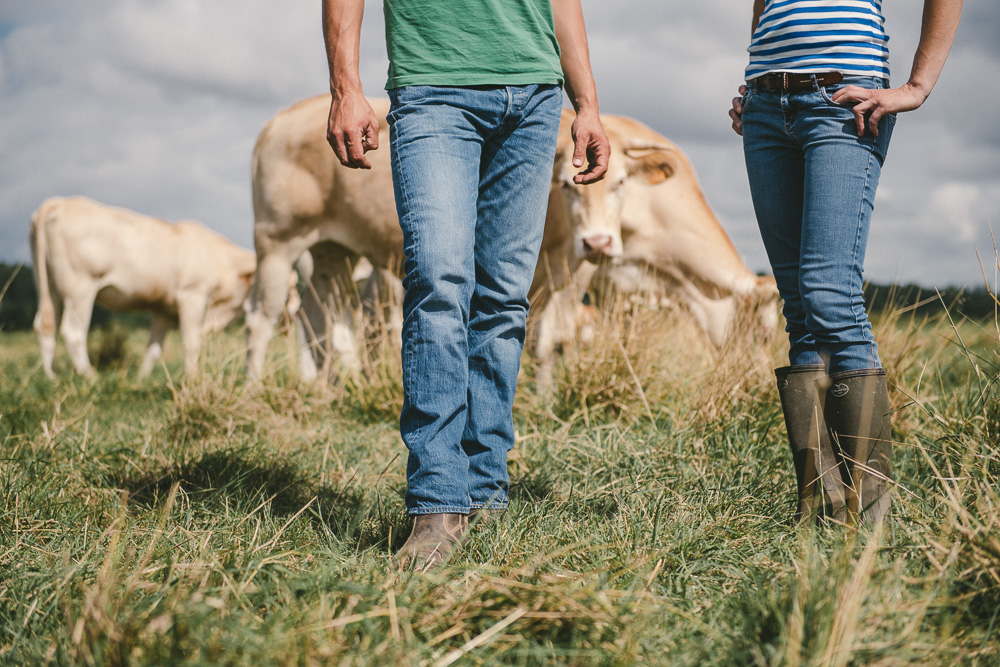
(820, 488)
(857, 413)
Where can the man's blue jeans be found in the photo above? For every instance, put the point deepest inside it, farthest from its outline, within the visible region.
(471, 169)
(813, 184)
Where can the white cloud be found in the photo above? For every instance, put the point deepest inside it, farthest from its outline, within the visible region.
(155, 105)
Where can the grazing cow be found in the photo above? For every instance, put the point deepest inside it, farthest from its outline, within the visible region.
(670, 237)
(304, 200)
(85, 252)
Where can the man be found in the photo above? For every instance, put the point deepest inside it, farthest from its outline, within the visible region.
(475, 106)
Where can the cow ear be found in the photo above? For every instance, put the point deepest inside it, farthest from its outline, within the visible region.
(654, 163)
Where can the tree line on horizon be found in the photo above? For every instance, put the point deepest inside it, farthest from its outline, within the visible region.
(19, 301)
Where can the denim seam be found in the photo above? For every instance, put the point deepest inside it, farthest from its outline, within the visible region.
(408, 370)
(439, 509)
(491, 506)
(858, 320)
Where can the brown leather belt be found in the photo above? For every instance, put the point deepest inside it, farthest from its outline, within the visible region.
(775, 82)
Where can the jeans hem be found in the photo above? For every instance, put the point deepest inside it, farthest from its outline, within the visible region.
(414, 511)
(490, 506)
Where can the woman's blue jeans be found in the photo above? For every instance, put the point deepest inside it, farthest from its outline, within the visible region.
(813, 184)
(471, 169)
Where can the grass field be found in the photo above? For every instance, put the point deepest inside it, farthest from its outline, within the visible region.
(201, 520)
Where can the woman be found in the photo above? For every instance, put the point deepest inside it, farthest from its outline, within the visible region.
(816, 115)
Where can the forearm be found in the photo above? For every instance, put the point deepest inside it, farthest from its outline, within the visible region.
(758, 9)
(342, 35)
(575, 59)
(937, 34)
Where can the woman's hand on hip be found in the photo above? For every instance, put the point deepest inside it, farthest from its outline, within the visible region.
(871, 105)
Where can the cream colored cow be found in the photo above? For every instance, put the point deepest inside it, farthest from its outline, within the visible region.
(304, 200)
(85, 252)
(670, 237)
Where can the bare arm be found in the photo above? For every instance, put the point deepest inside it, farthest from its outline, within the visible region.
(352, 128)
(589, 140)
(736, 112)
(758, 9)
(937, 34)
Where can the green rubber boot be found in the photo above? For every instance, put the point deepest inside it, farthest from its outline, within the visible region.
(856, 408)
(820, 486)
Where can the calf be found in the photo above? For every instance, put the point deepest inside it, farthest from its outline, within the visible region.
(85, 252)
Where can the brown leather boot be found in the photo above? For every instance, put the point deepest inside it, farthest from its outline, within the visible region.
(433, 538)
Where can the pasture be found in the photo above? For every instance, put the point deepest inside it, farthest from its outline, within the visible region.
(201, 520)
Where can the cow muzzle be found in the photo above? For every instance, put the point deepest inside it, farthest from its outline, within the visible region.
(597, 247)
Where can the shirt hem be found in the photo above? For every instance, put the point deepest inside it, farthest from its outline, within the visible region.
(479, 79)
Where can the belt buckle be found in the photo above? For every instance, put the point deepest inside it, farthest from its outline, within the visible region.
(784, 81)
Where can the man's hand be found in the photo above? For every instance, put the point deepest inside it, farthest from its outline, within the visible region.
(736, 113)
(871, 105)
(352, 130)
(590, 145)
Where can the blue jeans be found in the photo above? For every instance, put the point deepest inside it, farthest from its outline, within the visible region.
(471, 169)
(813, 184)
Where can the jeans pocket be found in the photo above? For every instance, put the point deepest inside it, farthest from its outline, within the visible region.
(869, 82)
(827, 96)
(409, 95)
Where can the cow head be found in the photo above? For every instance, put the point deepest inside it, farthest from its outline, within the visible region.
(594, 211)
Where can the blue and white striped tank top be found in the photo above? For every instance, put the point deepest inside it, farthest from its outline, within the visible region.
(819, 36)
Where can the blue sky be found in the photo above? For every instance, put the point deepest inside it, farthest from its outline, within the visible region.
(155, 105)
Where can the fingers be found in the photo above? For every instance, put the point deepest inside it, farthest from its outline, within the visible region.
(873, 119)
(337, 143)
(579, 152)
(736, 113)
(590, 148)
(356, 150)
(867, 107)
(597, 162)
(850, 93)
(737, 122)
(859, 119)
(352, 131)
(371, 138)
(350, 148)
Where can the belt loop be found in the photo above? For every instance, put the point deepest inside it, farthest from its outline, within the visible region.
(815, 82)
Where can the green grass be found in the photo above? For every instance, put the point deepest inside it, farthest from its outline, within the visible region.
(202, 520)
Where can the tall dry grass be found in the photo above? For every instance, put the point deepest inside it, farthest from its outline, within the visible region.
(203, 519)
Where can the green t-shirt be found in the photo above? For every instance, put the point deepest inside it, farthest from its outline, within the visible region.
(471, 42)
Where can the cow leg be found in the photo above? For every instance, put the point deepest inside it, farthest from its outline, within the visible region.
(73, 328)
(154, 350)
(191, 313)
(45, 326)
(714, 316)
(328, 304)
(267, 302)
(307, 364)
(550, 333)
(555, 322)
